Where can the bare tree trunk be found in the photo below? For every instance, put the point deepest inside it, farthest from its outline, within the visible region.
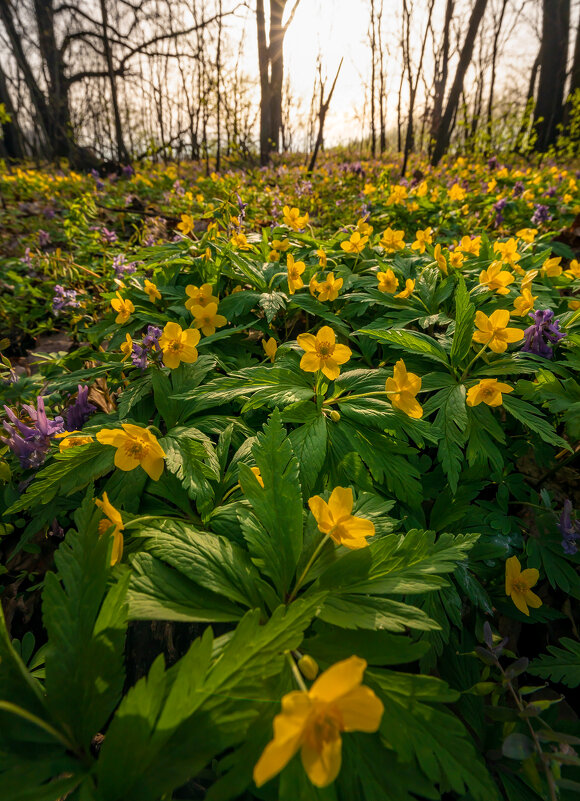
(12, 139)
(441, 75)
(218, 66)
(574, 76)
(383, 135)
(549, 108)
(373, 44)
(496, 34)
(445, 129)
(413, 84)
(122, 155)
(324, 105)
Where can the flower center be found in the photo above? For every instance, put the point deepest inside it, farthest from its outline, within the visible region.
(324, 726)
(136, 449)
(520, 586)
(487, 392)
(324, 349)
(176, 346)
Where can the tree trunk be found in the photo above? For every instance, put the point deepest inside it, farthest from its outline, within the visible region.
(441, 73)
(549, 109)
(276, 54)
(263, 61)
(12, 140)
(574, 76)
(444, 134)
(122, 155)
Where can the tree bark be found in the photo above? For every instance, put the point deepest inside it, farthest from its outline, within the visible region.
(549, 110)
(444, 134)
(12, 140)
(122, 155)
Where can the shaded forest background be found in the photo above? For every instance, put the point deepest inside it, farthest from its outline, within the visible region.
(110, 81)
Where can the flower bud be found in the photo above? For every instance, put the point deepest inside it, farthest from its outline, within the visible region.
(308, 667)
(334, 416)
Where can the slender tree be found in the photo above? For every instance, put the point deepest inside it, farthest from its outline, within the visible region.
(549, 110)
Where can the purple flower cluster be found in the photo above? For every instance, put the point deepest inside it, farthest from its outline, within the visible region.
(30, 443)
(98, 183)
(27, 259)
(63, 298)
(544, 333)
(122, 267)
(518, 190)
(149, 348)
(570, 530)
(79, 412)
(128, 171)
(43, 238)
(108, 236)
(493, 163)
(541, 214)
(498, 208)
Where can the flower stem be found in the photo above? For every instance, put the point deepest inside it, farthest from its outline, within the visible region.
(472, 362)
(296, 673)
(356, 397)
(309, 564)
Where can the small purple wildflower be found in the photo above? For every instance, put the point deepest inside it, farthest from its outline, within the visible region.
(550, 192)
(570, 530)
(539, 337)
(26, 259)
(43, 238)
(108, 236)
(493, 163)
(79, 412)
(541, 214)
(122, 267)
(30, 443)
(148, 349)
(63, 298)
(518, 190)
(128, 171)
(498, 208)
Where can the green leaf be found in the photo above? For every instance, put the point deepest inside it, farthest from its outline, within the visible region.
(374, 613)
(561, 665)
(330, 644)
(451, 425)
(277, 543)
(69, 472)
(410, 341)
(86, 628)
(191, 456)
(464, 324)
(309, 446)
(164, 403)
(530, 417)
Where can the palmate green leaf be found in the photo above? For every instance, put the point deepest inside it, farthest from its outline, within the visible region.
(70, 471)
(423, 732)
(411, 341)
(272, 303)
(39, 779)
(561, 664)
(167, 407)
(191, 456)
(309, 446)
(277, 543)
(451, 425)
(464, 324)
(210, 561)
(171, 724)
(374, 613)
(330, 644)
(86, 628)
(530, 417)
(158, 592)
(276, 384)
(409, 563)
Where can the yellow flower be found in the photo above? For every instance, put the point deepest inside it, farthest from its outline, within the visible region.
(527, 234)
(388, 281)
(508, 251)
(313, 285)
(239, 241)
(408, 290)
(322, 260)
(402, 389)
(573, 270)
(124, 309)
(152, 291)
(551, 267)
(186, 225)
(199, 296)
(398, 195)
(270, 347)
(523, 304)
(259, 479)
(494, 331)
(487, 391)
(71, 440)
(456, 259)
(178, 345)
(322, 353)
(328, 289)
(574, 305)
(391, 241)
(369, 189)
(527, 279)
(293, 219)
(363, 227)
(440, 259)
(112, 518)
(456, 192)
(312, 722)
(356, 243)
(469, 246)
(518, 583)
(127, 347)
(335, 518)
(295, 270)
(496, 279)
(422, 239)
(135, 446)
(207, 318)
(422, 189)
(278, 246)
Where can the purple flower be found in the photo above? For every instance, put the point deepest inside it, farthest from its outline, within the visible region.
(26, 259)
(148, 349)
(108, 236)
(550, 192)
(539, 337)
(541, 214)
(128, 171)
(493, 163)
(63, 298)
(121, 267)
(30, 443)
(569, 530)
(43, 238)
(518, 188)
(80, 411)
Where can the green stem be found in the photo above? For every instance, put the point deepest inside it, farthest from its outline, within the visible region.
(356, 397)
(472, 362)
(296, 672)
(309, 564)
(230, 491)
(36, 721)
